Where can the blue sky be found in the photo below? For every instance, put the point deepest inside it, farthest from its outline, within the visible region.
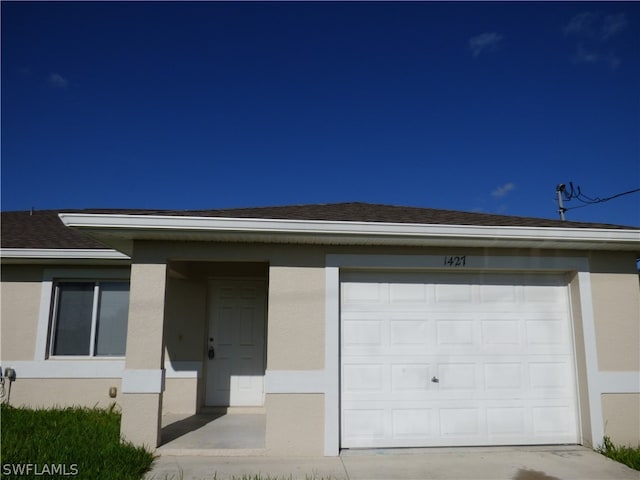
(465, 106)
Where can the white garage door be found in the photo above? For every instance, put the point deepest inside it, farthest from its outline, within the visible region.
(456, 359)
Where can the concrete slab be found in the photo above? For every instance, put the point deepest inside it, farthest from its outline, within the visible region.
(228, 468)
(495, 463)
(208, 433)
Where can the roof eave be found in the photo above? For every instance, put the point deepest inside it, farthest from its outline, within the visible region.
(78, 256)
(119, 231)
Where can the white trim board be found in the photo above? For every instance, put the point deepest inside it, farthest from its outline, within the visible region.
(143, 381)
(99, 367)
(63, 253)
(349, 232)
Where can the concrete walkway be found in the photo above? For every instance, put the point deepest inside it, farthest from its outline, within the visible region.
(495, 463)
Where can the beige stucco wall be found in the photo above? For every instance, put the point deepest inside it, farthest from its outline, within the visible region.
(616, 309)
(621, 415)
(296, 318)
(180, 396)
(295, 424)
(20, 307)
(145, 327)
(64, 392)
(185, 312)
(185, 341)
(140, 421)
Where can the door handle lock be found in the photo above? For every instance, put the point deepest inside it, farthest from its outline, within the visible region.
(435, 379)
(211, 353)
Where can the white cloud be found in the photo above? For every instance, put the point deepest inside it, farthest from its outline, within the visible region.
(586, 56)
(503, 190)
(593, 57)
(595, 31)
(582, 24)
(595, 26)
(613, 24)
(57, 81)
(485, 42)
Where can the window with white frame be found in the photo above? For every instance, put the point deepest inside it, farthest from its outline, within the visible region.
(89, 318)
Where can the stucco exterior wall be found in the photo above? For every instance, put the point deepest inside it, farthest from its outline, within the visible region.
(180, 396)
(185, 313)
(621, 414)
(616, 308)
(296, 318)
(296, 332)
(64, 392)
(185, 341)
(20, 307)
(295, 424)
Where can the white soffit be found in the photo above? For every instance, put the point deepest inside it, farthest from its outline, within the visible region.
(54, 254)
(113, 227)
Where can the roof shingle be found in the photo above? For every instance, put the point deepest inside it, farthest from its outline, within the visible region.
(43, 229)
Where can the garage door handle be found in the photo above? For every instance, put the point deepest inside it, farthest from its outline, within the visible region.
(435, 380)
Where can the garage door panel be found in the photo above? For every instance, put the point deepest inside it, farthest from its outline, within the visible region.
(365, 377)
(411, 377)
(364, 425)
(547, 376)
(461, 422)
(405, 332)
(412, 423)
(506, 421)
(498, 346)
(503, 376)
(551, 419)
(409, 293)
(455, 333)
(546, 331)
(504, 332)
(364, 293)
(363, 333)
(457, 376)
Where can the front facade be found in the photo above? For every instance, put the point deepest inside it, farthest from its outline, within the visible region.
(348, 325)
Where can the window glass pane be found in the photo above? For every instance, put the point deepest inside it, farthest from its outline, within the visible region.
(73, 319)
(113, 310)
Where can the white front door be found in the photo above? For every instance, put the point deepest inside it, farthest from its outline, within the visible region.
(235, 342)
(444, 360)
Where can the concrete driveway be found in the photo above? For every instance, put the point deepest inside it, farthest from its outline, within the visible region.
(495, 463)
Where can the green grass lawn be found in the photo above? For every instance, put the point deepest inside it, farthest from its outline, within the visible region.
(79, 443)
(630, 456)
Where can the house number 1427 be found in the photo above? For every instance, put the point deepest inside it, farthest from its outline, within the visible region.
(455, 261)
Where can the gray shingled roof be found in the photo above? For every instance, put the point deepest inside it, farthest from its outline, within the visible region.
(43, 229)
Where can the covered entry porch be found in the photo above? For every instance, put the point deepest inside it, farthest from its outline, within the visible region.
(201, 371)
(214, 336)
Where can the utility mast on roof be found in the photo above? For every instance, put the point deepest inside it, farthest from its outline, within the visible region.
(560, 190)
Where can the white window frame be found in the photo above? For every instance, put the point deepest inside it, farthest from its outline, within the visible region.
(50, 279)
(94, 315)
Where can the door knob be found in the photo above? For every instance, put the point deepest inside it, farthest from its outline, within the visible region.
(211, 353)
(435, 379)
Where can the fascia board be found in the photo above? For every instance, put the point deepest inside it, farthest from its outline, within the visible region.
(127, 226)
(62, 254)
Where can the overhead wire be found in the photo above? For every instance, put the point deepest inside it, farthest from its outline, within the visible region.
(576, 192)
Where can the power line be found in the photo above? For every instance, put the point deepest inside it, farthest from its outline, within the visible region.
(573, 192)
